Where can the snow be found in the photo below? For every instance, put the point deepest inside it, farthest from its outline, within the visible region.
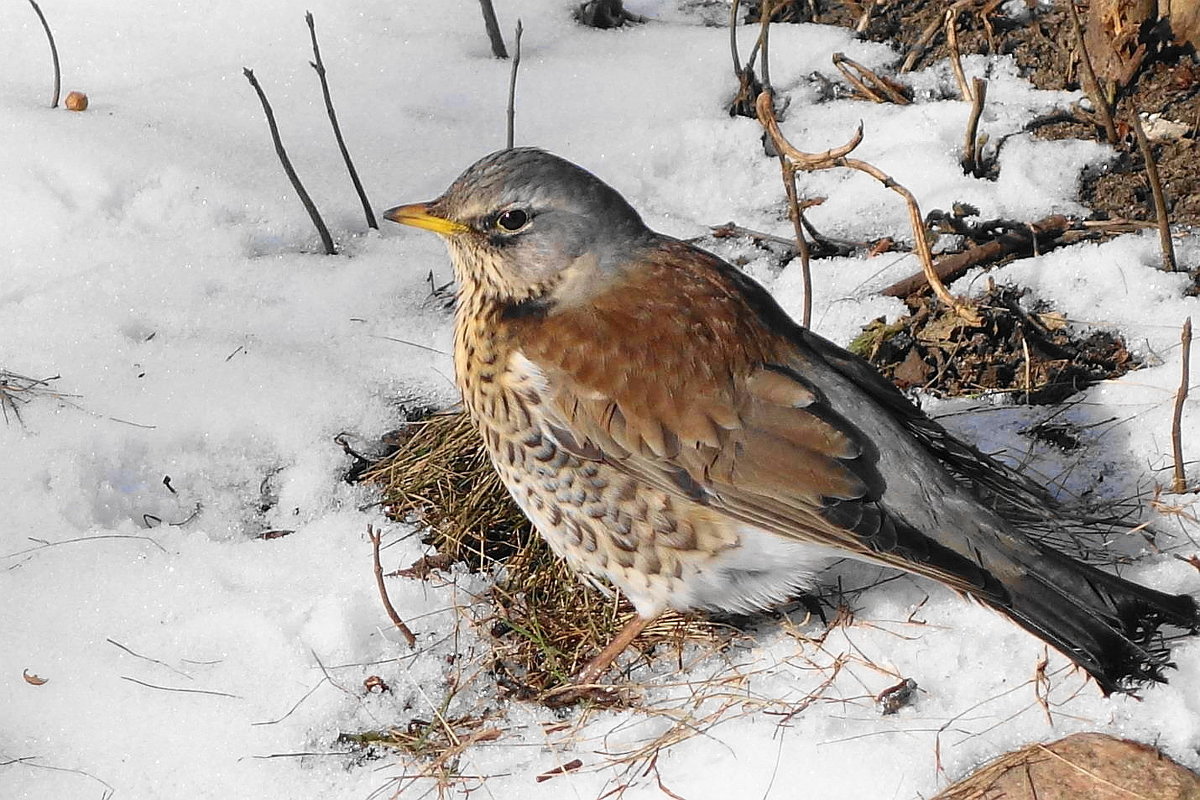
(155, 258)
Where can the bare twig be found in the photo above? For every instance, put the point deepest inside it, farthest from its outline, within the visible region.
(375, 538)
(42, 545)
(764, 36)
(1160, 198)
(1185, 341)
(512, 87)
(795, 214)
(1090, 83)
(179, 689)
(53, 53)
(864, 20)
(837, 158)
(180, 673)
(493, 29)
(319, 66)
(870, 84)
(313, 214)
(1022, 241)
(970, 160)
(951, 23)
(922, 43)
(733, 46)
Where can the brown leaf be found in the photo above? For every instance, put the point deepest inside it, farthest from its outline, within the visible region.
(33, 680)
(913, 371)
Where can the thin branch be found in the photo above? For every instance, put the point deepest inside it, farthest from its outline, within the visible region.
(951, 23)
(970, 159)
(180, 673)
(1185, 340)
(1090, 84)
(512, 87)
(733, 46)
(879, 89)
(313, 214)
(53, 53)
(493, 29)
(765, 10)
(796, 215)
(375, 538)
(179, 689)
(42, 545)
(837, 158)
(319, 66)
(1160, 197)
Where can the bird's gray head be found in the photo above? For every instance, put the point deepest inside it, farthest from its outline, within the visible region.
(523, 223)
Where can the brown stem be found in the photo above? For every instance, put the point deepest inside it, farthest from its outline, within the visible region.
(1160, 197)
(493, 29)
(313, 214)
(879, 90)
(733, 46)
(948, 267)
(951, 23)
(1090, 84)
(53, 53)
(512, 87)
(1185, 339)
(319, 66)
(375, 538)
(970, 161)
(796, 215)
(764, 14)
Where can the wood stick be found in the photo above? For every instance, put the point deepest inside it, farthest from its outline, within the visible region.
(733, 45)
(951, 23)
(1160, 197)
(794, 212)
(493, 29)
(1185, 340)
(880, 90)
(53, 53)
(512, 87)
(319, 66)
(955, 265)
(313, 214)
(375, 538)
(970, 160)
(765, 10)
(1090, 84)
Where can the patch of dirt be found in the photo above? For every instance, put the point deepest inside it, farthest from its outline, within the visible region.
(1030, 351)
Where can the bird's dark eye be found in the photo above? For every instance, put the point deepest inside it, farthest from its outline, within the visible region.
(512, 220)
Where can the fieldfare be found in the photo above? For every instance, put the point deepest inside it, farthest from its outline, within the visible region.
(668, 428)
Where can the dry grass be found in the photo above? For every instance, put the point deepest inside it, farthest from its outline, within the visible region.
(546, 622)
(17, 390)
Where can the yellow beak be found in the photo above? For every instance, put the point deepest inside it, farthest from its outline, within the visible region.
(417, 215)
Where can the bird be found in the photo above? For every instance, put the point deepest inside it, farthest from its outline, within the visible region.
(669, 429)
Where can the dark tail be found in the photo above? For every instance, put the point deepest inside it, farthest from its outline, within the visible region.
(1104, 623)
(1107, 625)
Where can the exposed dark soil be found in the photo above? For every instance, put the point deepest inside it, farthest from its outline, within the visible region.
(1026, 349)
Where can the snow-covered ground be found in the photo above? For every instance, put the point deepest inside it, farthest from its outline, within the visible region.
(154, 258)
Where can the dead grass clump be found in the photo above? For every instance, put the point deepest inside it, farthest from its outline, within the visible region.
(1030, 353)
(17, 390)
(547, 622)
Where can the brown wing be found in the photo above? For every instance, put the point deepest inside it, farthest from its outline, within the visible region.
(673, 376)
